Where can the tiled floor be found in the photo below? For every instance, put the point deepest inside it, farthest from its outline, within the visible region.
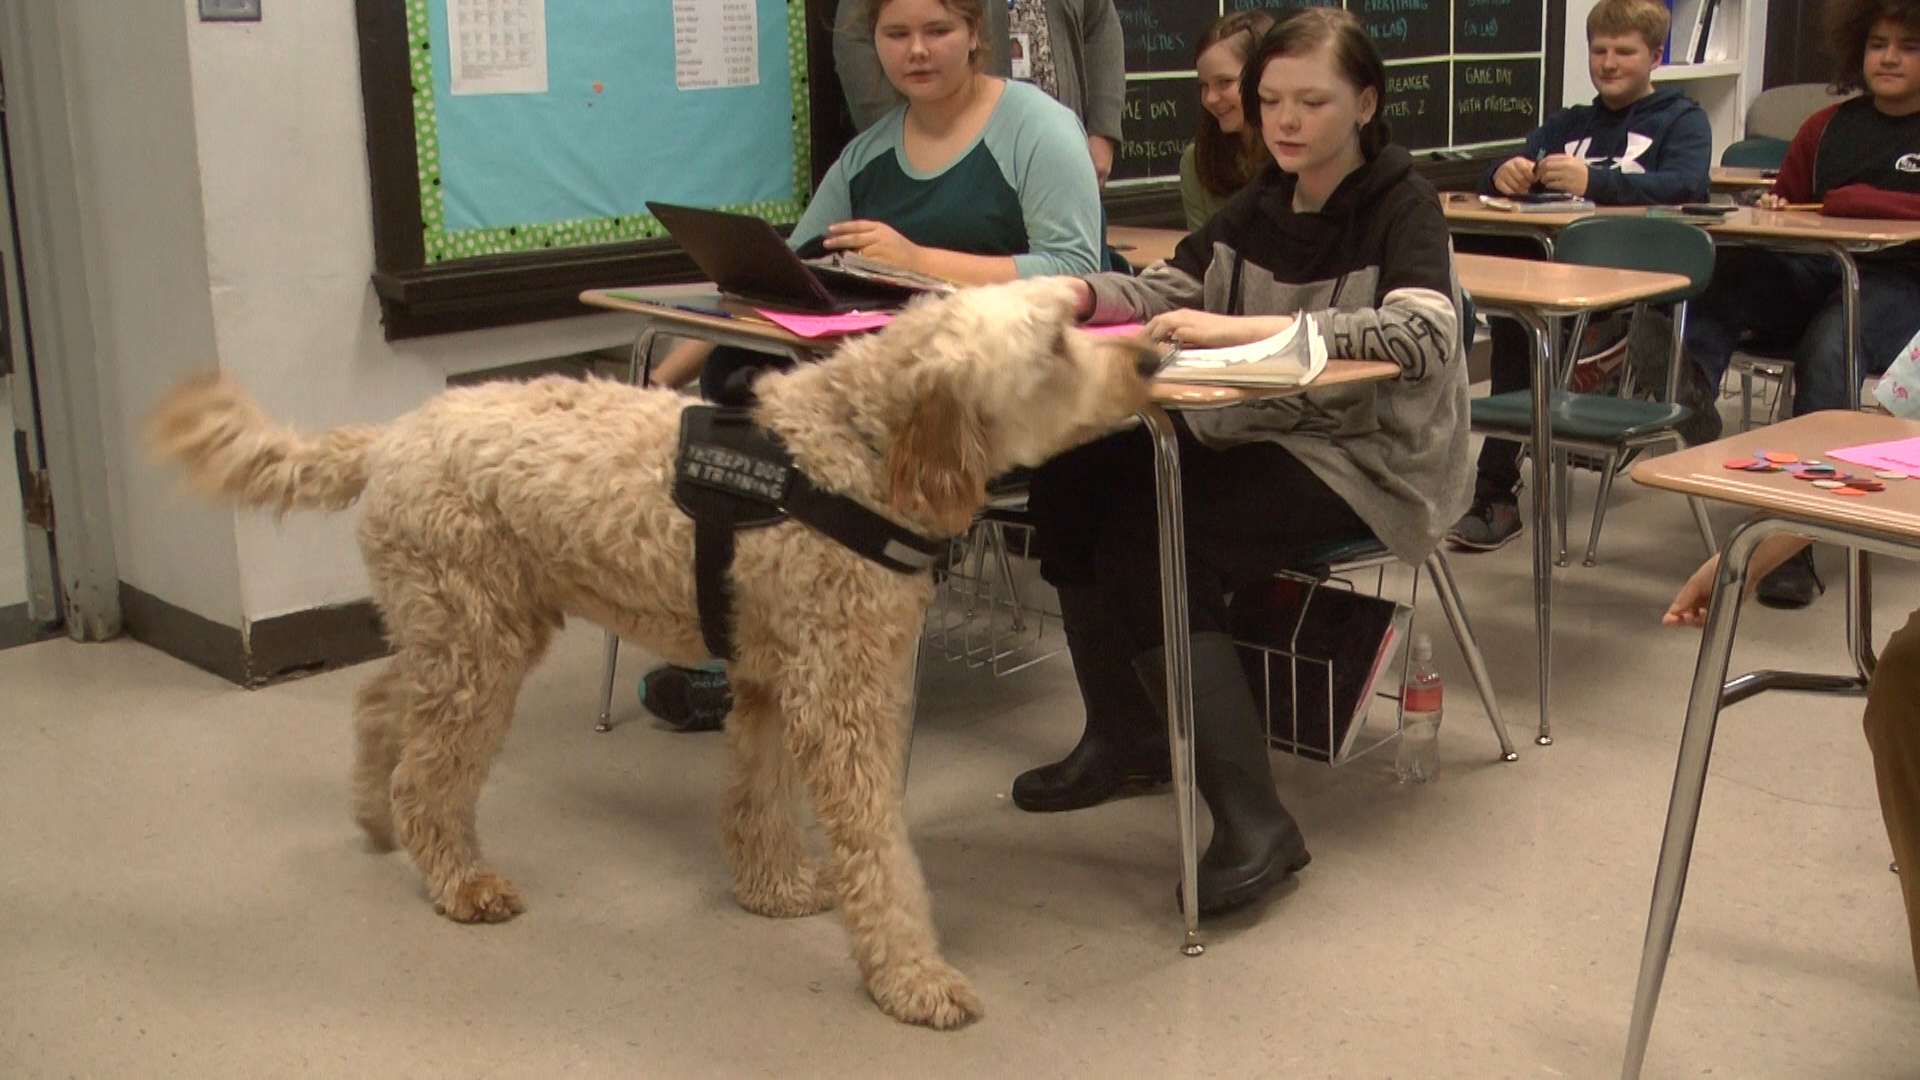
(185, 896)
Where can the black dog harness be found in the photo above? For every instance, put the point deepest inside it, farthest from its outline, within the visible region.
(732, 475)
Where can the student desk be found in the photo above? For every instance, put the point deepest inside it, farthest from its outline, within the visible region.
(1887, 522)
(1735, 179)
(659, 316)
(1538, 295)
(1144, 246)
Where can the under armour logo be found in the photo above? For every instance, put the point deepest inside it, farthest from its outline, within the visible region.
(1629, 162)
(1907, 163)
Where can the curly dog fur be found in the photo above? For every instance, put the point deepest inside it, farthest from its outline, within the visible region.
(491, 514)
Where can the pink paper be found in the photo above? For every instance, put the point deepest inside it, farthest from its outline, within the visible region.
(819, 326)
(1900, 455)
(1131, 329)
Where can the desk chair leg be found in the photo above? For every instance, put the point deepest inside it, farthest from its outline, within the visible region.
(1541, 333)
(1600, 506)
(1699, 508)
(1689, 781)
(1746, 399)
(606, 682)
(1449, 593)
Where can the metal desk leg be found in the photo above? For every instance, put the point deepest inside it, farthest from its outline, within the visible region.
(1689, 779)
(1179, 653)
(1859, 572)
(1544, 335)
(639, 367)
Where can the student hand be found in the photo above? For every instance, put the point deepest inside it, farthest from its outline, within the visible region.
(1205, 330)
(1100, 148)
(1563, 172)
(1082, 299)
(874, 240)
(1689, 608)
(1770, 201)
(1515, 177)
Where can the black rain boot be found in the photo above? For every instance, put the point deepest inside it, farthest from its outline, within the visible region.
(1256, 844)
(1124, 746)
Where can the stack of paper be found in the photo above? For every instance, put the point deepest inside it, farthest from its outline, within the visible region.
(1292, 357)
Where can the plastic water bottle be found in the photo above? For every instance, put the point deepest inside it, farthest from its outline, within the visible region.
(1419, 756)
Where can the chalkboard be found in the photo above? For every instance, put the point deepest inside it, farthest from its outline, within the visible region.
(1461, 74)
(1157, 125)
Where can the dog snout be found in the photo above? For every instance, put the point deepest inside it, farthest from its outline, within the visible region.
(1147, 361)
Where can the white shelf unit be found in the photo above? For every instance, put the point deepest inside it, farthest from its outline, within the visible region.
(1729, 77)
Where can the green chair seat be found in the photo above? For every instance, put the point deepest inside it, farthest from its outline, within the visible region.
(1338, 553)
(1584, 417)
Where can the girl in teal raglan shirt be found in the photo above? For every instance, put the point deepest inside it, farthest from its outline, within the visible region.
(975, 179)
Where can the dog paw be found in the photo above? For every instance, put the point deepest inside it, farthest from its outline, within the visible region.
(932, 993)
(806, 891)
(485, 897)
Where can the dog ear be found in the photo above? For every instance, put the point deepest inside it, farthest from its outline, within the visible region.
(938, 461)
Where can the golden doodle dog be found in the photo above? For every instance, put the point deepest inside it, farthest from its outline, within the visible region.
(491, 514)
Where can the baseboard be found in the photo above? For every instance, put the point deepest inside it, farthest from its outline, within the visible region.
(19, 628)
(272, 649)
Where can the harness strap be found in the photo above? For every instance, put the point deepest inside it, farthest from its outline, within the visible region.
(712, 592)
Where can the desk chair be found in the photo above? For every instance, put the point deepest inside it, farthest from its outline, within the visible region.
(1760, 152)
(1755, 152)
(1610, 427)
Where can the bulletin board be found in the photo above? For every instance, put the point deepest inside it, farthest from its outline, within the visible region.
(573, 156)
(513, 144)
(1462, 75)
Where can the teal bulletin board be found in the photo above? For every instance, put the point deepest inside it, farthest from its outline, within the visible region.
(575, 164)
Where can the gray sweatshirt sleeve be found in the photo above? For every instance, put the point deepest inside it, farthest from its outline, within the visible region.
(869, 95)
(1106, 70)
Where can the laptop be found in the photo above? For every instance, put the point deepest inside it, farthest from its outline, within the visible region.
(746, 258)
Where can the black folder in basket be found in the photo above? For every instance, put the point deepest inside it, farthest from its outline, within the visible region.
(1315, 654)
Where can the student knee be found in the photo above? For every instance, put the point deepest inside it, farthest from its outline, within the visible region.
(1894, 694)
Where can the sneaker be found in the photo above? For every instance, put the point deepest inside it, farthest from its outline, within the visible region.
(1793, 585)
(688, 699)
(1488, 525)
(1703, 400)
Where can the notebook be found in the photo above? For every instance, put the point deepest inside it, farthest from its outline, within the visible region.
(1293, 357)
(746, 258)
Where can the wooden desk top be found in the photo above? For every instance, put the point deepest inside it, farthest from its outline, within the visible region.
(656, 302)
(1860, 233)
(1466, 209)
(1739, 179)
(1701, 470)
(1142, 246)
(1557, 288)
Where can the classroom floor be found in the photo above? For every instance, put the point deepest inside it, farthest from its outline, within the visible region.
(186, 897)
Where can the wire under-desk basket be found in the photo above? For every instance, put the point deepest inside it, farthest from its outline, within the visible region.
(990, 609)
(1317, 654)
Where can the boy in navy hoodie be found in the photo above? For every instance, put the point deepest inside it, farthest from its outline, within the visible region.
(1858, 159)
(1634, 146)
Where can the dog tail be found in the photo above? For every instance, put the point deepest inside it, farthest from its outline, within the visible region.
(233, 452)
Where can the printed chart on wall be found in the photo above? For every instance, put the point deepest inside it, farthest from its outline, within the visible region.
(1461, 74)
(550, 123)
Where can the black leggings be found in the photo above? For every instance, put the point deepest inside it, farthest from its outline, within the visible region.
(1250, 510)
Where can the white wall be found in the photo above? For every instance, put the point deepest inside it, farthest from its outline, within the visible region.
(222, 169)
(138, 179)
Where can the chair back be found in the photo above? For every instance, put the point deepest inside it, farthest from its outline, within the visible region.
(1663, 245)
(1778, 113)
(1757, 152)
(1469, 321)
